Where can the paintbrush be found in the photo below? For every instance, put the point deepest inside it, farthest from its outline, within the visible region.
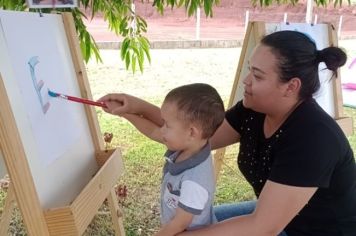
(76, 99)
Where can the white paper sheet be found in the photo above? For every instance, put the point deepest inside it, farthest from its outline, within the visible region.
(39, 67)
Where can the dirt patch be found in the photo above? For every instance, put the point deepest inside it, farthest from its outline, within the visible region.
(228, 21)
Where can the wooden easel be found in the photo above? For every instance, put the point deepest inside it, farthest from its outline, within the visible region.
(254, 33)
(72, 219)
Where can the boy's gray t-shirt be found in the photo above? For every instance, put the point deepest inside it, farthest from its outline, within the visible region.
(189, 185)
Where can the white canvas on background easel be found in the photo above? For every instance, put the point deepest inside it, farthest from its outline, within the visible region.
(52, 3)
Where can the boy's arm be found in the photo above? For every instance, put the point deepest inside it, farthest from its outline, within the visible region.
(145, 126)
(120, 104)
(178, 224)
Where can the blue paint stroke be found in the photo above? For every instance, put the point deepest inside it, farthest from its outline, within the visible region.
(37, 85)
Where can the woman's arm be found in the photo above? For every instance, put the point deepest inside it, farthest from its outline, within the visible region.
(224, 136)
(179, 223)
(277, 205)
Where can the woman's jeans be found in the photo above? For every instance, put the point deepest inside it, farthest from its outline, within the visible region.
(227, 211)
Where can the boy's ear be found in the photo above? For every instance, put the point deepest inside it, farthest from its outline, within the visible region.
(195, 132)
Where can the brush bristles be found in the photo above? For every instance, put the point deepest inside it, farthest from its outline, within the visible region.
(52, 94)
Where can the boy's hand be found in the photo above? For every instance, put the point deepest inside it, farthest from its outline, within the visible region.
(126, 105)
(117, 103)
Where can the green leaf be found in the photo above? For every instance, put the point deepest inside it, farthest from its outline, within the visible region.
(192, 8)
(145, 47)
(82, 47)
(133, 46)
(85, 3)
(141, 20)
(180, 3)
(141, 55)
(87, 46)
(127, 60)
(208, 5)
(95, 50)
(144, 41)
(140, 63)
(159, 6)
(147, 54)
(133, 63)
(124, 47)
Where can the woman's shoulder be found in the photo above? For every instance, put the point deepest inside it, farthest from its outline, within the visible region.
(310, 119)
(310, 112)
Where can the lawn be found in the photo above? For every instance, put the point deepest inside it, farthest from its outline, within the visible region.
(142, 157)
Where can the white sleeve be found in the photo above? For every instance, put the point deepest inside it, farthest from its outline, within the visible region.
(193, 197)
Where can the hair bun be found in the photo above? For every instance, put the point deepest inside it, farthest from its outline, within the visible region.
(333, 57)
(319, 56)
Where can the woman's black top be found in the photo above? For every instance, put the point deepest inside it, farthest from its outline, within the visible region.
(308, 150)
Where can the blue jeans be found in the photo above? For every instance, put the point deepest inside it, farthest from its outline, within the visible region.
(227, 211)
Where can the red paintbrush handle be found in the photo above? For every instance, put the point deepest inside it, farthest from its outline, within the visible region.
(86, 101)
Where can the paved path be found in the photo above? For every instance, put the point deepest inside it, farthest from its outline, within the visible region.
(181, 32)
(168, 30)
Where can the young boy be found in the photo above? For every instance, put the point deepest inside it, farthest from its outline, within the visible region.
(190, 116)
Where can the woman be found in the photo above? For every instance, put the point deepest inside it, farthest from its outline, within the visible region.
(293, 154)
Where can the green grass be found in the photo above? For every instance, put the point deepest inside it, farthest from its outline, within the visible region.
(142, 157)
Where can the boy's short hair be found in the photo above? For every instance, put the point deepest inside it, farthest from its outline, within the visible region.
(199, 104)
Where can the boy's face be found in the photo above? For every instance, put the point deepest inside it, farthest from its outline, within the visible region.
(175, 132)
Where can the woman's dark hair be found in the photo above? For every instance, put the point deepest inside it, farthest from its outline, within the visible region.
(199, 103)
(298, 57)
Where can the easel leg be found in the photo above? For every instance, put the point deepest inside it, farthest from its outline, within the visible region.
(116, 214)
(8, 209)
(218, 160)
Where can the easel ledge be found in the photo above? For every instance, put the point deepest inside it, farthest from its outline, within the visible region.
(75, 218)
